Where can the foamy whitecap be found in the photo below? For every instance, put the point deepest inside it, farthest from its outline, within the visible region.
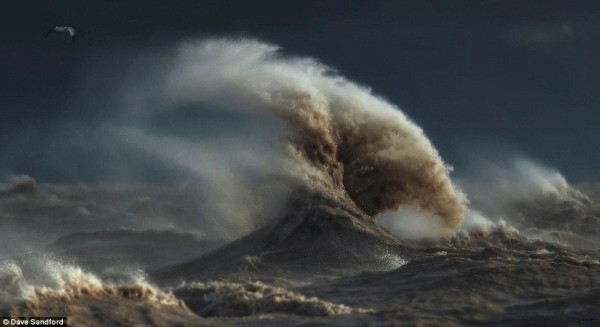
(46, 279)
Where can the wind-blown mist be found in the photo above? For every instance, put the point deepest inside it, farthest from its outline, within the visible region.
(496, 187)
(344, 142)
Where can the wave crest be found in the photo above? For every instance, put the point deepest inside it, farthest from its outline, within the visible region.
(231, 299)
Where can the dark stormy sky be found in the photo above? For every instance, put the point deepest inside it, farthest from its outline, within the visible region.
(477, 76)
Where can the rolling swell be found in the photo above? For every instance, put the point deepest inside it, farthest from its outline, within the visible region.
(316, 236)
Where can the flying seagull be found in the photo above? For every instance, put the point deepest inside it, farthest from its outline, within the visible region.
(69, 29)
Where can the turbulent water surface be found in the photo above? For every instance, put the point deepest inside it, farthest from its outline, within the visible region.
(350, 219)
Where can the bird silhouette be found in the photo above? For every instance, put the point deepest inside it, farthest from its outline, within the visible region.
(69, 29)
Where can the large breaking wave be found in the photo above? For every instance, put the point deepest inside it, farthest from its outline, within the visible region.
(346, 143)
